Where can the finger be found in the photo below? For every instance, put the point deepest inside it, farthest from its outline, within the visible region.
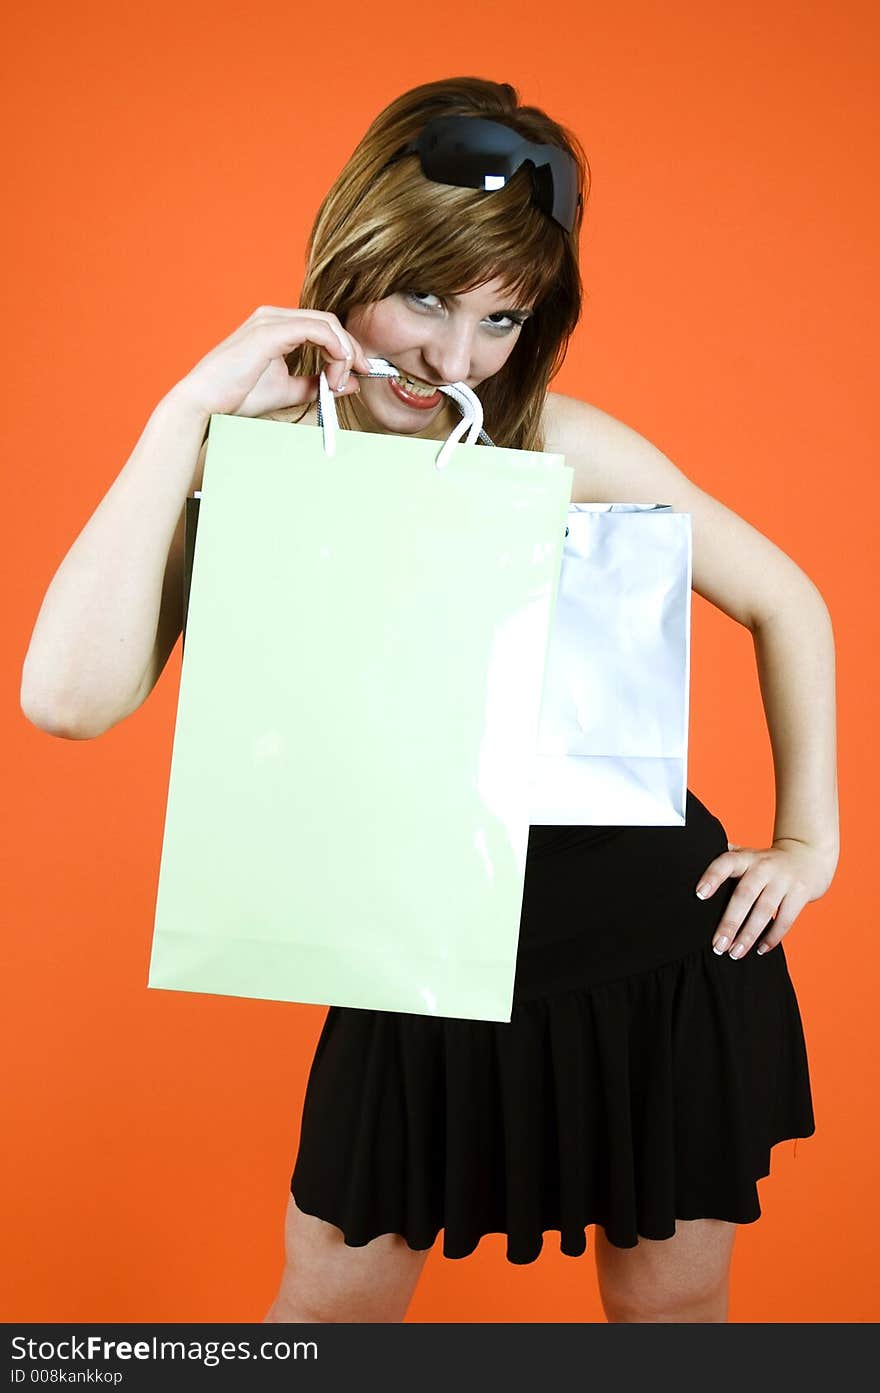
(304, 389)
(788, 911)
(359, 357)
(352, 346)
(729, 863)
(283, 334)
(353, 349)
(362, 362)
(276, 314)
(744, 896)
(762, 911)
(341, 377)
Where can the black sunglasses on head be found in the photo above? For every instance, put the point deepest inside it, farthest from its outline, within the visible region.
(475, 153)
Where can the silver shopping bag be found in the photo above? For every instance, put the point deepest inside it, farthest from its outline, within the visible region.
(613, 731)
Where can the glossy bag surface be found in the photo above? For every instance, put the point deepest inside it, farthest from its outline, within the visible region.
(348, 807)
(613, 733)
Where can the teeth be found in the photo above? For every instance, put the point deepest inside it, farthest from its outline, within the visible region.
(417, 388)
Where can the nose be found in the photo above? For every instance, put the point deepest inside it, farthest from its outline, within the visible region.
(447, 352)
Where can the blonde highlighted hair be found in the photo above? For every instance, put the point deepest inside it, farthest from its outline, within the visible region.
(382, 229)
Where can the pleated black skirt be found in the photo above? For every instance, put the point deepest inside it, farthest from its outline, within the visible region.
(641, 1079)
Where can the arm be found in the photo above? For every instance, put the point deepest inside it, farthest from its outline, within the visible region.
(112, 612)
(794, 651)
(750, 579)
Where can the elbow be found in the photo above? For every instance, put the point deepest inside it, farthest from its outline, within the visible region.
(51, 714)
(813, 596)
(52, 719)
(802, 601)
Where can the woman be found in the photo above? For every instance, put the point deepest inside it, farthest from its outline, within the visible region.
(655, 1052)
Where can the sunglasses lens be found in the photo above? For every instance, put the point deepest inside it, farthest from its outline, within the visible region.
(481, 154)
(565, 195)
(450, 157)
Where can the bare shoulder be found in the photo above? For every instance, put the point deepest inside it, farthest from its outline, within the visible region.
(735, 566)
(591, 441)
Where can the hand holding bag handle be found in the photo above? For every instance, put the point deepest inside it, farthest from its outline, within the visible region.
(472, 421)
(465, 399)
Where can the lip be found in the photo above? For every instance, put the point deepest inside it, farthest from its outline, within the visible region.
(416, 403)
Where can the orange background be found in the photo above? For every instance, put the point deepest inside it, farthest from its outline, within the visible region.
(166, 164)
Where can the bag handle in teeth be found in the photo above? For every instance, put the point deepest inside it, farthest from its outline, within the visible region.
(466, 400)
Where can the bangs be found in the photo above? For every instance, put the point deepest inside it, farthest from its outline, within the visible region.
(463, 258)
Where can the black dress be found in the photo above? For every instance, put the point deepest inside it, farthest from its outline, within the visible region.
(641, 1079)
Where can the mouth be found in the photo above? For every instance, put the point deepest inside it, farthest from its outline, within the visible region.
(414, 392)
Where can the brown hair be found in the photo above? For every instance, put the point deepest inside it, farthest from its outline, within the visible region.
(380, 230)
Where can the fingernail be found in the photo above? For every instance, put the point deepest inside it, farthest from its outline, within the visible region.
(762, 949)
(343, 382)
(720, 944)
(738, 951)
(703, 890)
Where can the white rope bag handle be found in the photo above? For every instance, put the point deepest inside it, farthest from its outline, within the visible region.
(467, 401)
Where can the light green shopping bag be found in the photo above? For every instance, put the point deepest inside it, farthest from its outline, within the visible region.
(348, 811)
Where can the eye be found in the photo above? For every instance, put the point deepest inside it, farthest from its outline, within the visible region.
(514, 319)
(418, 296)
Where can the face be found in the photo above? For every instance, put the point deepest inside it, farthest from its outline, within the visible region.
(433, 340)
